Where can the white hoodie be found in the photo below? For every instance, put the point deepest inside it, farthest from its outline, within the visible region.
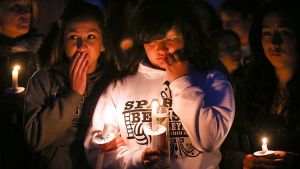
(201, 116)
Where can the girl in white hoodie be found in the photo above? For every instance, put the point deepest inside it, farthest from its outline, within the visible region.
(169, 61)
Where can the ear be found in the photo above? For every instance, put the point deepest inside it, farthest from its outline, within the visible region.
(102, 49)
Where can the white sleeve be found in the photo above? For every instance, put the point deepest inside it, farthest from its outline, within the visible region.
(206, 113)
(124, 156)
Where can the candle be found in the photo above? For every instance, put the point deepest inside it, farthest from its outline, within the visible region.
(105, 131)
(154, 105)
(107, 119)
(264, 145)
(15, 73)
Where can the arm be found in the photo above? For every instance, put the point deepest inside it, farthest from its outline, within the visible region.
(124, 156)
(47, 117)
(210, 111)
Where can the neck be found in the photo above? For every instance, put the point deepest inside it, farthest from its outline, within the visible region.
(284, 75)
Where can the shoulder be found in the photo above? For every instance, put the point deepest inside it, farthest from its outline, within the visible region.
(211, 75)
(216, 74)
(46, 75)
(40, 76)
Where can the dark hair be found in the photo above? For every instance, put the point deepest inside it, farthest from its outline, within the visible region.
(34, 7)
(286, 9)
(259, 82)
(81, 11)
(246, 8)
(152, 20)
(207, 15)
(216, 37)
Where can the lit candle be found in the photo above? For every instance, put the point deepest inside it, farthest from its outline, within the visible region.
(154, 105)
(105, 131)
(107, 118)
(15, 73)
(264, 145)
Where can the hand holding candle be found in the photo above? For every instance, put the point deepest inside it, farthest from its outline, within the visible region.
(105, 139)
(264, 149)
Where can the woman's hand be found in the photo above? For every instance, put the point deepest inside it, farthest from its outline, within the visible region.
(112, 145)
(277, 160)
(150, 158)
(78, 72)
(175, 66)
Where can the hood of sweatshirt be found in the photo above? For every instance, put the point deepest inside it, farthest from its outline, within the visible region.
(150, 72)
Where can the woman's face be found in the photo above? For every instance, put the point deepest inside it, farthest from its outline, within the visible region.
(230, 51)
(279, 41)
(84, 36)
(232, 21)
(15, 17)
(158, 50)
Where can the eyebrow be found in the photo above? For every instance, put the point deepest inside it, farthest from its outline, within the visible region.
(280, 26)
(76, 30)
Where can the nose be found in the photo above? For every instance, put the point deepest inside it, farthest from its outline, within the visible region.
(162, 48)
(81, 44)
(276, 39)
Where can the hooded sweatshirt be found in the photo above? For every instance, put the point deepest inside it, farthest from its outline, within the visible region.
(200, 115)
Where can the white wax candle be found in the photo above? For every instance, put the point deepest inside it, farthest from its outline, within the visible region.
(264, 145)
(154, 142)
(154, 105)
(15, 73)
(105, 131)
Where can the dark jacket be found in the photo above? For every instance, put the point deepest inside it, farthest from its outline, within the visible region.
(255, 119)
(22, 51)
(56, 117)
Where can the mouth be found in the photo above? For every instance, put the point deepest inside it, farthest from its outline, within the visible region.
(24, 23)
(275, 53)
(161, 57)
(24, 20)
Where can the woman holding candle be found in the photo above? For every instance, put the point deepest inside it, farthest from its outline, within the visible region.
(169, 61)
(269, 93)
(19, 43)
(59, 101)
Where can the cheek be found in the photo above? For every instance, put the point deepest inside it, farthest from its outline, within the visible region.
(69, 49)
(291, 47)
(265, 43)
(97, 47)
(9, 20)
(148, 50)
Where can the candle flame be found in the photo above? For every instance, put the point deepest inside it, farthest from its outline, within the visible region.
(17, 67)
(264, 140)
(154, 104)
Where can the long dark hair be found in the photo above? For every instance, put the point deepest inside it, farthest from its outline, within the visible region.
(260, 81)
(152, 20)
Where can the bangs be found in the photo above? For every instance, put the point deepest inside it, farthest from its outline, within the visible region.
(153, 24)
(153, 31)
